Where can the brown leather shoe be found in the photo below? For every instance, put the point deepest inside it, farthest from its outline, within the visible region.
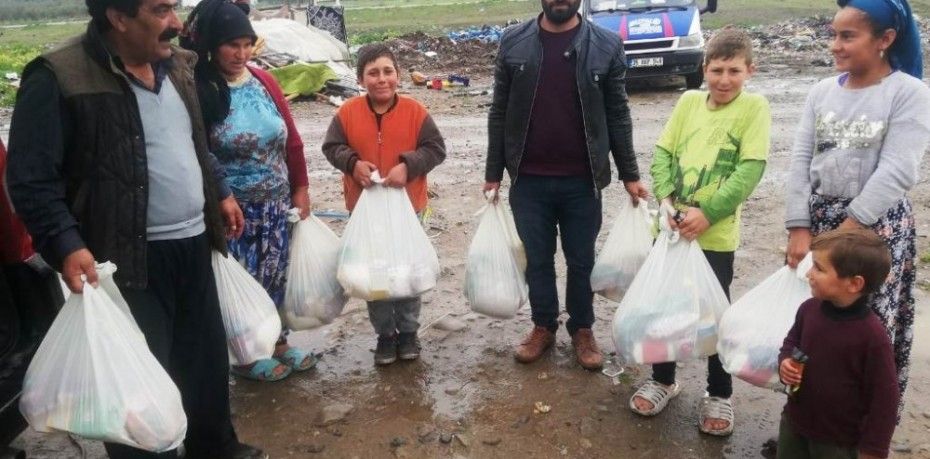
(586, 351)
(534, 345)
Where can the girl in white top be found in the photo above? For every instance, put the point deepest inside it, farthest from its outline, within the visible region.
(857, 151)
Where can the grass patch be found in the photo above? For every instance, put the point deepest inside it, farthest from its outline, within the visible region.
(12, 59)
(925, 258)
(437, 18)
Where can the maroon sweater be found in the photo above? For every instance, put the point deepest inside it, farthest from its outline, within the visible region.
(555, 140)
(849, 388)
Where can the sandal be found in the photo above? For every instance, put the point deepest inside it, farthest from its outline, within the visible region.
(298, 360)
(716, 408)
(655, 393)
(262, 370)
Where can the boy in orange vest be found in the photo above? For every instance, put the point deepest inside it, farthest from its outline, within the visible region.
(394, 135)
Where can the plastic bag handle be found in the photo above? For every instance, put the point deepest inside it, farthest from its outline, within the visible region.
(376, 178)
(665, 211)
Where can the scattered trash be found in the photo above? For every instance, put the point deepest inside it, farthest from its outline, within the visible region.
(486, 34)
(613, 371)
(539, 407)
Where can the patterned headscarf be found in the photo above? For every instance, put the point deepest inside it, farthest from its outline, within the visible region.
(905, 53)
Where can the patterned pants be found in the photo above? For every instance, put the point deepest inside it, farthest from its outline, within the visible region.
(894, 301)
(264, 246)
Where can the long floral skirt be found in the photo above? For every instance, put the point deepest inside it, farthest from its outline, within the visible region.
(894, 301)
(264, 246)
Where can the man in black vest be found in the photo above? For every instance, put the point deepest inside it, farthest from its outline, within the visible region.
(559, 110)
(108, 161)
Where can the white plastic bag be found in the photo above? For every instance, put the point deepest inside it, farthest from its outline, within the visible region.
(385, 252)
(94, 376)
(313, 296)
(495, 280)
(249, 315)
(754, 328)
(671, 309)
(625, 250)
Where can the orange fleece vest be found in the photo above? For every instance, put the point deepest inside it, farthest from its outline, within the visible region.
(400, 130)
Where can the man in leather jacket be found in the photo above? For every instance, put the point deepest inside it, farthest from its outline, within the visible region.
(559, 110)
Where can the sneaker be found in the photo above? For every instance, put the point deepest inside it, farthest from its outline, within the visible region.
(408, 346)
(386, 352)
(534, 345)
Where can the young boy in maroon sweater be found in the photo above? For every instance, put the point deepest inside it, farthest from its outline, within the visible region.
(847, 393)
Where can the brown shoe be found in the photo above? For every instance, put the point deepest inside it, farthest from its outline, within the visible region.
(534, 345)
(589, 356)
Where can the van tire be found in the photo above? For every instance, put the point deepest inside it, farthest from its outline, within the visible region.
(694, 80)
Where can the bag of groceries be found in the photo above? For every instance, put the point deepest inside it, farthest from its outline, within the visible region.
(623, 253)
(93, 376)
(754, 328)
(385, 253)
(313, 296)
(671, 309)
(249, 315)
(495, 281)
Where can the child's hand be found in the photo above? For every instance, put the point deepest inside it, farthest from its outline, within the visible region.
(397, 176)
(789, 372)
(694, 224)
(362, 173)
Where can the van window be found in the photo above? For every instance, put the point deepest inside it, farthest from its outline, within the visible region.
(622, 5)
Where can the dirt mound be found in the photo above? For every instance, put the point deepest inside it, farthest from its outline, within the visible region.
(468, 57)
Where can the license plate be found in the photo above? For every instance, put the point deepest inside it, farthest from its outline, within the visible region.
(646, 62)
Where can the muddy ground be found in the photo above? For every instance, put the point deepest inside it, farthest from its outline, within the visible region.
(466, 396)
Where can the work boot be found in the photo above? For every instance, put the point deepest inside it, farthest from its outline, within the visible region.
(586, 351)
(534, 345)
(386, 352)
(408, 346)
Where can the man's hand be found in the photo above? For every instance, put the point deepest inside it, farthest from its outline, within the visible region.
(232, 217)
(636, 190)
(397, 176)
(300, 199)
(492, 186)
(694, 224)
(789, 372)
(77, 263)
(799, 243)
(362, 173)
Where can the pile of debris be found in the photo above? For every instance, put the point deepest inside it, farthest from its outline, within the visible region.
(441, 54)
(804, 40)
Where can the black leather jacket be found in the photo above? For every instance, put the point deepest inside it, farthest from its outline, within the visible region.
(601, 87)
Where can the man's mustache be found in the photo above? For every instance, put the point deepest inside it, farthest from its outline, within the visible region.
(169, 34)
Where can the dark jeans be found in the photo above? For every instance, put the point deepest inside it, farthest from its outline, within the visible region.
(791, 445)
(719, 382)
(179, 314)
(547, 207)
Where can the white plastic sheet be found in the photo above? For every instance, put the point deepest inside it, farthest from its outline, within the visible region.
(495, 280)
(313, 296)
(671, 310)
(624, 251)
(754, 328)
(385, 252)
(249, 315)
(94, 376)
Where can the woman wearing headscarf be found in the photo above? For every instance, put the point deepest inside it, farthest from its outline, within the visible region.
(253, 136)
(857, 150)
